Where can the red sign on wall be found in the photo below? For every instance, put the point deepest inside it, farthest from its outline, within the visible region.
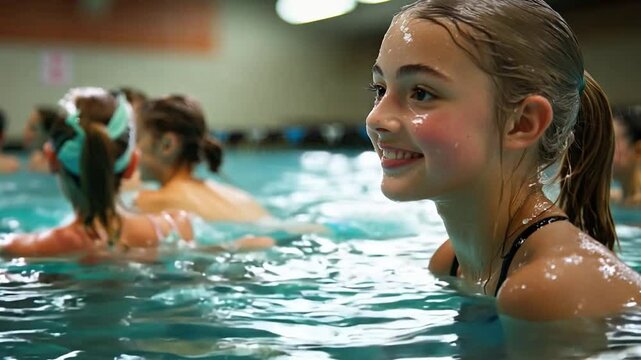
(56, 68)
(184, 25)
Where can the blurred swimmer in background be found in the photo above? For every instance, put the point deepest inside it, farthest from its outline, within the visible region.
(173, 139)
(8, 163)
(36, 134)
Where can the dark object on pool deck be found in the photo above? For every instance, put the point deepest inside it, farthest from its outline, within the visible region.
(314, 136)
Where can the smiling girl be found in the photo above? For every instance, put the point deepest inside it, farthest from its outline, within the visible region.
(473, 101)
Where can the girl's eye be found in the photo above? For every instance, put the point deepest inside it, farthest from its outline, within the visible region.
(378, 90)
(421, 94)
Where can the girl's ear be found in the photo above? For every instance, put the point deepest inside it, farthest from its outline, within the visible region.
(52, 158)
(133, 165)
(169, 145)
(530, 120)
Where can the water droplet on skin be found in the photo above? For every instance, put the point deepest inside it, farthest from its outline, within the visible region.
(573, 259)
(456, 145)
(407, 36)
(607, 269)
(591, 246)
(419, 119)
(550, 272)
(578, 308)
(539, 208)
(550, 276)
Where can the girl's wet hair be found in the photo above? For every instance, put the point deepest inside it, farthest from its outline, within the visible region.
(528, 49)
(97, 184)
(183, 117)
(132, 94)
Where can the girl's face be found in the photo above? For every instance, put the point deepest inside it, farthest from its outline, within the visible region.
(150, 163)
(432, 123)
(34, 135)
(625, 155)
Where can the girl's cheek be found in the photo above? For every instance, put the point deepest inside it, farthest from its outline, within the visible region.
(435, 137)
(448, 149)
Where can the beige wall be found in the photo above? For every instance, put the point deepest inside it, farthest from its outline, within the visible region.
(610, 37)
(264, 72)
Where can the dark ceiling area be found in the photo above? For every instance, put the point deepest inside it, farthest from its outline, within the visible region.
(563, 5)
(372, 20)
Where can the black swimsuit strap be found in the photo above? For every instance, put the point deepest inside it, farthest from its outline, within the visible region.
(516, 245)
(454, 267)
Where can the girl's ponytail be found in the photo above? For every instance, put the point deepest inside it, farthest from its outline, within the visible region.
(586, 168)
(213, 153)
(97, 179)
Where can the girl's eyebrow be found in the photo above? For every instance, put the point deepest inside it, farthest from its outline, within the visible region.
(413, 69)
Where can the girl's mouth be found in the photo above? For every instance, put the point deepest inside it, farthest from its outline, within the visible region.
(394, 158)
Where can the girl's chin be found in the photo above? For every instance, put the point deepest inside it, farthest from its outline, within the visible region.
(400, 194)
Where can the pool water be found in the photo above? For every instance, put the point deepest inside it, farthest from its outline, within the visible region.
(361, 291)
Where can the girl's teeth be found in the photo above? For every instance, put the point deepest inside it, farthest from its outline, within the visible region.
(399, 155)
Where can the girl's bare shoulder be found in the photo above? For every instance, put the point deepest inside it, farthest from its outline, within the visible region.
(441, 262)
(155, 200)
(569, 278)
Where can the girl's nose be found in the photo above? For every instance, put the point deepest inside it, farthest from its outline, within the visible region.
(384, 117)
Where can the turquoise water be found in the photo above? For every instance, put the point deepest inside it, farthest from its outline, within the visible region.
(360, 292)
